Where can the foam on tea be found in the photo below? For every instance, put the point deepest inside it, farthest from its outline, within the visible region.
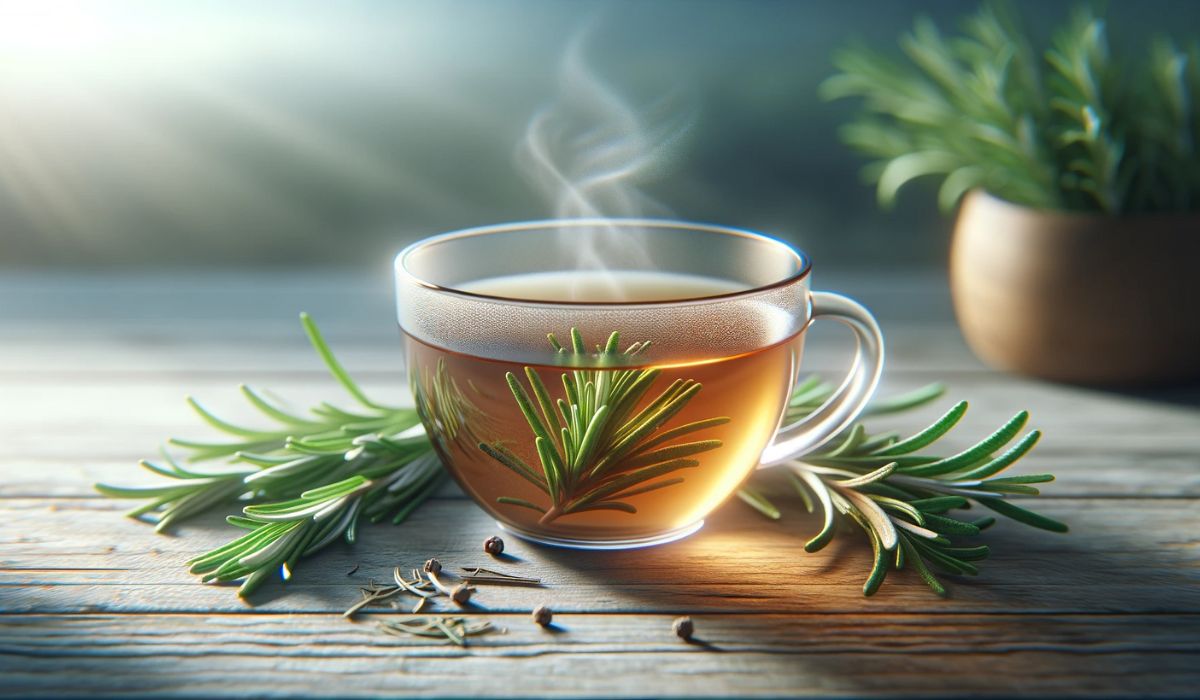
(602, 286)
(577, 451)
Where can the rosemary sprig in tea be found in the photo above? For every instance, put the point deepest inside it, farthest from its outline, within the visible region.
(600, 445)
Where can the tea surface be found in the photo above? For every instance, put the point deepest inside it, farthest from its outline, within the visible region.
(602, 286)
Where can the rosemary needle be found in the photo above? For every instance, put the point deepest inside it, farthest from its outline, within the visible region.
(479, 574)
(502, 580)
(455, 630)
(411, 587)
(372, 596)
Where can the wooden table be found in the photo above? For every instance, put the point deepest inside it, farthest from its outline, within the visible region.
(93, 369)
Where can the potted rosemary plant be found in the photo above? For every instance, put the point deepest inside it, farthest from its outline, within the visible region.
(1077, 243)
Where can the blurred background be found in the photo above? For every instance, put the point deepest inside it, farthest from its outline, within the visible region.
(315, 133)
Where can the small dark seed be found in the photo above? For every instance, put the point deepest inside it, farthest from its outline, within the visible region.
(461, 594)
(433, 566)
(493, 545)
(542, 615)
(683, 627)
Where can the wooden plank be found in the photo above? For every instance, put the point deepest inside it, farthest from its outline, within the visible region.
(588, 655)
(1122, 555)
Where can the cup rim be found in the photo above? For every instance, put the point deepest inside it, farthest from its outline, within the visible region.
(803, 263)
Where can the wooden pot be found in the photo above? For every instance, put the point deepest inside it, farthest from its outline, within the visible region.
(1079, 298)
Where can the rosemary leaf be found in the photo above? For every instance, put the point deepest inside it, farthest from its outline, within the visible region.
(1024, 516)
(758, 502)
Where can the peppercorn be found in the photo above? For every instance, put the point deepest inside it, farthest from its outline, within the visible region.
(461, 594)
(683, 627)
(542, 615)
(493, 546)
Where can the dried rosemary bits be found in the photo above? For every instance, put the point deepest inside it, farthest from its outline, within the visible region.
(460, 593)
(374, 593)
(451, 629)
(371, 593)
(435, 582)
(479, 574)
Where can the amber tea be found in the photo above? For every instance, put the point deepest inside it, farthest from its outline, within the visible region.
(576, 450)
(614, 409)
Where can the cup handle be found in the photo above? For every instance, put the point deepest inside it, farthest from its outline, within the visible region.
(850, 399)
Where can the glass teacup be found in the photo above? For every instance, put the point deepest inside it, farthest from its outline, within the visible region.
(616, 405)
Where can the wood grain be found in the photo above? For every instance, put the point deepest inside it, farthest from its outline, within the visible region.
(1124, 553)
(589, 655)
(92, 373)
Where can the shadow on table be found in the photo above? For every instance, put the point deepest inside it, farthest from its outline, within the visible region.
(803, 613)
(1040, 593)
(742, 563)
(1182, 395)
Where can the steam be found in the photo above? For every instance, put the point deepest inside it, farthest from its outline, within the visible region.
(589, 150)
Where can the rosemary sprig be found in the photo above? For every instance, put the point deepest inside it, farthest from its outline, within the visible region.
(282, 532)
(313, 478)
(1072, 129)
(600, 445)
(902, 499)
(1083, 80)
